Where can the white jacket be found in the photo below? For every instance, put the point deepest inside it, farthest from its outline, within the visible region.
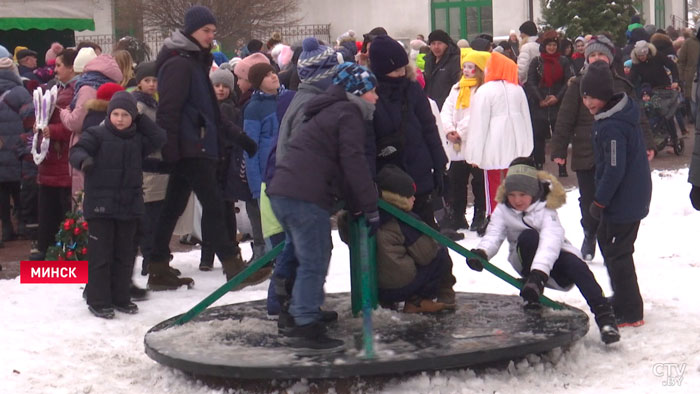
(454, 119)
(541, 216)
(529, 50)
(499, 126)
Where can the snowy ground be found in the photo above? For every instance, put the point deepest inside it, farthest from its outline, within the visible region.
(50, 343)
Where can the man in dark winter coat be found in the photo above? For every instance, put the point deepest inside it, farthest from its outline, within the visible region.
(330, 145)
(623, 186)
(189, 113)
(442, 67)
(574, 125)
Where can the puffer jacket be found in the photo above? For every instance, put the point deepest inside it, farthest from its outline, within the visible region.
(622, 175)
(187, 109)
(653, 70)
(404, 123)
(529, 49)
(16, 117)
(575, 125)
(54, 171)
(294, 116)
(113, 187)
(455, 119)
(401, 248)
(541, 216)
(331, 146)
(499, 127)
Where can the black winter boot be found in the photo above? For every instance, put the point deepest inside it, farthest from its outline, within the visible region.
(136, 293)
(313, 337)
(534, 286)
(104, 312)
(562, 171)
(478, 219)
(481, 231)
(607, 323)
(588, 247)
(129, 308)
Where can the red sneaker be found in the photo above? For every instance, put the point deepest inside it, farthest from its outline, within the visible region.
(637, 323)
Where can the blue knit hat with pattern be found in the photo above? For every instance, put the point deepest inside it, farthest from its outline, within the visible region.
(197, 17)
(316, 62)
(355, 79)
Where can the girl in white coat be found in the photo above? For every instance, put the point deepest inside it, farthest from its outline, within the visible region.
(499, 126)
(455, 116)
(538, 249)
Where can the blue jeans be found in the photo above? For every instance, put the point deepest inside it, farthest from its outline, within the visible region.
(308, 226)
(285, 269)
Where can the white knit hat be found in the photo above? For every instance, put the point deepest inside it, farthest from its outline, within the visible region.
(83, 58)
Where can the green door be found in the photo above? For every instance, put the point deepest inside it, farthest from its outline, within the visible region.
(462, 18)
(660, 14)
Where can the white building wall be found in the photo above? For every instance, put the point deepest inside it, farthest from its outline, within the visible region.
(403, 19)
(103, 19)
(509, 15)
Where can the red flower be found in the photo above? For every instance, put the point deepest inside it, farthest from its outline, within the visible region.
(77, 231)
(66, 225)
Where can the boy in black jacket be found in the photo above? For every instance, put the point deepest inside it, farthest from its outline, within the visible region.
(110, 155)
(623, 186)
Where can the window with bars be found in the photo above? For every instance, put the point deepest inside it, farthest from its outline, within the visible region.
(462, 18)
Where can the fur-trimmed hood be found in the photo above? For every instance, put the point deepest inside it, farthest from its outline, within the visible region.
(399, 201)
(96, 105)
(652, 53)
(554, 194)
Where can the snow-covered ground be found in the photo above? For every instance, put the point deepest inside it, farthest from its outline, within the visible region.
(50, 343)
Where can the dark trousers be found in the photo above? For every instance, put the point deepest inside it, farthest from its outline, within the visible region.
(541, 129)
(207, 255)
(54, 202)
(8, 190)
(110, 261)
(568, 269)
(252, 208)
(146, 230)
(616, 241)
(586, 189)
(458, 177)
(198, 175)
(426, 284)
(423, 207)
(29, 208)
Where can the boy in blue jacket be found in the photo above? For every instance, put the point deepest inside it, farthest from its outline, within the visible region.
(623, 186)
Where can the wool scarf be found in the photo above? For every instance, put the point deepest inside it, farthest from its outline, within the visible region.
(465, 91)
(553, 70)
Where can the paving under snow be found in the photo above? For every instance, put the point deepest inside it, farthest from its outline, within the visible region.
(50, 343)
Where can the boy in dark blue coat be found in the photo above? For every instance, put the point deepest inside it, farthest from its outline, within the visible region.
(623, 186)
(110, 155)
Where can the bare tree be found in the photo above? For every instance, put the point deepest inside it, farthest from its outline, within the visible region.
(235, 18)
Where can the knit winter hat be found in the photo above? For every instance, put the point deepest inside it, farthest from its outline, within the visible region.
(597, 81)
(123, 100)
(52, 52)
(258, 72)
(243, 67)
(24, 53)
(4, 52)
(481, 44)
(393, 179)
(462, 43)
(522, 177)
(438, 35)
(386, 55)
(196, 17)
(107, 90)
(316, 62)
(479, 58)
(6, 63)
(547, 37)
(529, 28)
(224, 77)
(641, 48)
(145, 69)
(84, 56)
(355, 79)
(600, 44)
(254, 46)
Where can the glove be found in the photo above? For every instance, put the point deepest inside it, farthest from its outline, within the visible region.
(475, 264)
(247, 144)
(695, 197)
(534, 286)
(596, 210)
(439, 181)
(87, 165)
(372, 222)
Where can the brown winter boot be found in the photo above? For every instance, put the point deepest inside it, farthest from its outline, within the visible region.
(445, 293)
(161, 277)
(234, 265)
(419, 305)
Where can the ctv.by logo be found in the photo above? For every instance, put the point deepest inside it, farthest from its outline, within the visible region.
(673, 372)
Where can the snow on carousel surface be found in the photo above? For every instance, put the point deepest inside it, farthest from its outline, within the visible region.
(239, 341)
